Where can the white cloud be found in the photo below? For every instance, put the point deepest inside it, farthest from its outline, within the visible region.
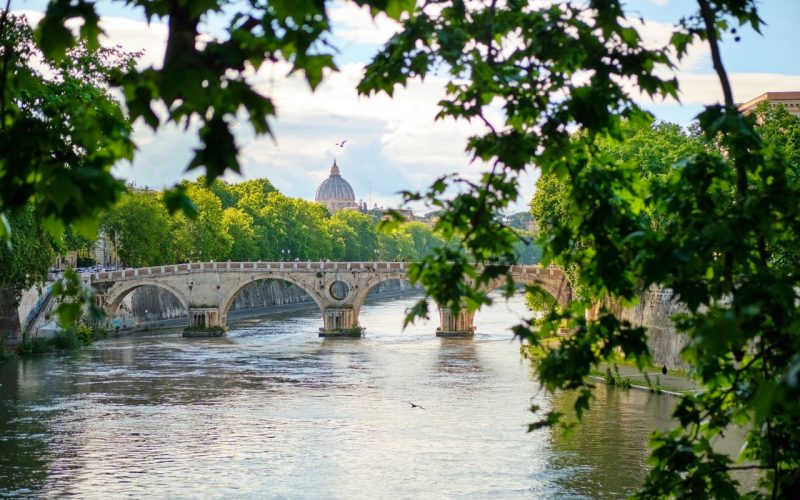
(132, 36)
(705, 89)
(656, 35)
(355, 24)
(136, 36)
(393, 144)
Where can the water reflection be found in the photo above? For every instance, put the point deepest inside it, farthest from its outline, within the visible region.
(273, 410)
(607, 449)
(457, 359)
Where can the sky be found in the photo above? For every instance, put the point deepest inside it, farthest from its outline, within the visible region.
(395, 144)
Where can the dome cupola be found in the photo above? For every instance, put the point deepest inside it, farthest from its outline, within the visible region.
(335, 192)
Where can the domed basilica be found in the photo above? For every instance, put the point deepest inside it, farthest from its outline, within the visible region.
(336, 193)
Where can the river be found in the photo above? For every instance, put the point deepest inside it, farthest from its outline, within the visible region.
(274, 411)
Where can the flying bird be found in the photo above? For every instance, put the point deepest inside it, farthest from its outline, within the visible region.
(414, 405)
(341, 144)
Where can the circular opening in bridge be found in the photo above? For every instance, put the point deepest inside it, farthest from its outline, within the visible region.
(339, 290)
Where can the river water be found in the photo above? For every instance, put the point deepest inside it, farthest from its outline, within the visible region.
(274, 411)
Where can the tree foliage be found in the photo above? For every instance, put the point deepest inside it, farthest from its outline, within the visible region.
(713, 224)
(60, 134)
(198, 83)
(28, 258)
(259, 223)
(60, 129)
(140, 229)
(649, 149)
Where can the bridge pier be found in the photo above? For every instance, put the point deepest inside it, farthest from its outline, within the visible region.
(340, 322)
(459, 325)
(204, 322)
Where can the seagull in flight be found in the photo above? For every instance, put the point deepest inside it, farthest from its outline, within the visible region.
(413, 405)
(341, 144)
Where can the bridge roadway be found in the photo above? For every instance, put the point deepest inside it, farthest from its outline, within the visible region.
(208, 289)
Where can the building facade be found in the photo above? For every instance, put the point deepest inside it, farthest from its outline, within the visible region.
(790, 100)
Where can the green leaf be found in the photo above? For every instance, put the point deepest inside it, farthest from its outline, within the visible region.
(54, 38)
(5, 230)
(176, 200)
(396, 8)
(54, 226)
(87, 227)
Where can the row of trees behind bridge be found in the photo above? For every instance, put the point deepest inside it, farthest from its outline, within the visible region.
(252, 221)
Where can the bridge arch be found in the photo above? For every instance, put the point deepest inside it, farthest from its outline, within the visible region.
(360, 294)
(561, 291)
(228, 299)
(117, 293)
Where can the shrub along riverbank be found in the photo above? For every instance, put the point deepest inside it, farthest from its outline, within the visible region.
(72, 338)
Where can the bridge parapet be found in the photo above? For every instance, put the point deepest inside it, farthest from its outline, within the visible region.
(293, 266)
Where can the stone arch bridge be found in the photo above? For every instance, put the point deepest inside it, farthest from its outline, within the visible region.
(208, 289)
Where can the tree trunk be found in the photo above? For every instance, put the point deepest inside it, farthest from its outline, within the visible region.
(9, 317)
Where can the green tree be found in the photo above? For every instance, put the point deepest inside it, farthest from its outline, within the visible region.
(364, 243)
(527, 251)
(340, 234)
(781, 129)
(139, 226)
(60, 129)
(231, 194)
(714, 225)
(204, 237)
(424, 239)
(76, 242)
(202, 83)
(239, 225)
(24, 263)
(305, 237)
(60, 133)
(650, 150)
(397, 245)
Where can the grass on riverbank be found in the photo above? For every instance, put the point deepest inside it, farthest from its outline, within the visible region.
(623, 373)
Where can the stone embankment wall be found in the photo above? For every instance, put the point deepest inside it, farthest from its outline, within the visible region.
(156, 304)
(654, 311)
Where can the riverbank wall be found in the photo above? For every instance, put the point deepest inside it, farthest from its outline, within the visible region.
(654, 311)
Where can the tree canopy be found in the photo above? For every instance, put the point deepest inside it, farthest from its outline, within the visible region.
(61, 131)
(261, 224)
(203, 83)
(24, 263)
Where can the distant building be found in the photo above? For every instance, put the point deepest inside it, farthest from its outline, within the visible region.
(70, 259)
(791, 100)
(103, 252)
(336, 193)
